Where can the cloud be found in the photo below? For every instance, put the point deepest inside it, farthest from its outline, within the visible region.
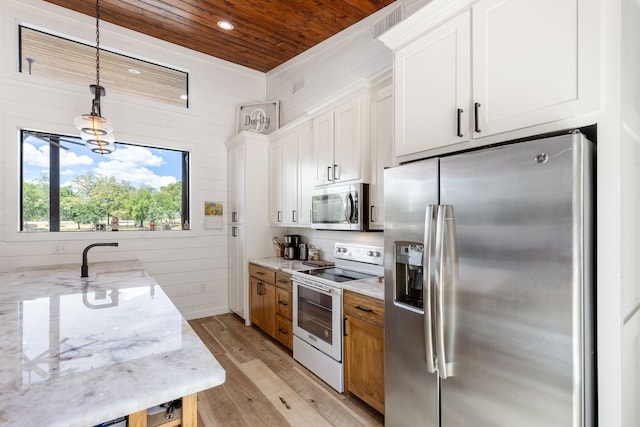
(36, 156)
(137, 156)
(132, 164)
(39, 156)
(69, 158)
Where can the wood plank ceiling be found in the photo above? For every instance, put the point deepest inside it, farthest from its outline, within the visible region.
(267, 32)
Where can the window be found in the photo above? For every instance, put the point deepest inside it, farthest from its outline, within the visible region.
(44, 55)
(66, 187)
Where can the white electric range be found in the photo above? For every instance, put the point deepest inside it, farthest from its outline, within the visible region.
(317, 308)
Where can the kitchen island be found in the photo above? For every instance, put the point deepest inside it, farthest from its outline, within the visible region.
(80, 352)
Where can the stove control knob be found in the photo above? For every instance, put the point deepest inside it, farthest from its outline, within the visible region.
(373, 254)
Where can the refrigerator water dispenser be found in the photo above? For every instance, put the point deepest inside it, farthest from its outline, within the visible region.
(408, 274)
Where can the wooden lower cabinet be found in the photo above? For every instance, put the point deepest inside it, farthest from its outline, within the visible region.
(364, 348)
(270, 303)
(186, 416)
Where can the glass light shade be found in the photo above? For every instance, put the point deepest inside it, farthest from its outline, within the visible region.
(97, 138)
(93, 124)
(101, 144)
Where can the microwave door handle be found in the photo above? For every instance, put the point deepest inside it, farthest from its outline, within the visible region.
(348, 207)
(427, 286)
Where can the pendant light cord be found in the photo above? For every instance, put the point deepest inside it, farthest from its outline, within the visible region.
(97, 44)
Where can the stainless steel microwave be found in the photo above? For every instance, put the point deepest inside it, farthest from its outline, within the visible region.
(341, 207)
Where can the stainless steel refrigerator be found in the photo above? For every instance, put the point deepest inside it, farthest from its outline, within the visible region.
(488, 287)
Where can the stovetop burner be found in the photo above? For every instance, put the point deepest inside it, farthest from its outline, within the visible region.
(338, 275)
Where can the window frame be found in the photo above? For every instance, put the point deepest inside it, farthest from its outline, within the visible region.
(55, 187)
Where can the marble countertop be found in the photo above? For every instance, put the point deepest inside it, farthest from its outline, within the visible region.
(370, 287)
(79, 352)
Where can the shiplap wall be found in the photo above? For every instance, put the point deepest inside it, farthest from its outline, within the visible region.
(191, 265)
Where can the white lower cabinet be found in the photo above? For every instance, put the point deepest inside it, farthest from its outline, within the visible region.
(237, 271)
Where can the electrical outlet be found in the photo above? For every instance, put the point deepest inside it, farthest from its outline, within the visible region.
(59, 248)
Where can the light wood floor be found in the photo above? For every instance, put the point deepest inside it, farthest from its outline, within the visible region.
(265, 386)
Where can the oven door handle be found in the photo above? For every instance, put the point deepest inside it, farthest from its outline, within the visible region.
(330, 291)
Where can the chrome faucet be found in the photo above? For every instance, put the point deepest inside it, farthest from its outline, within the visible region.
(84, 270)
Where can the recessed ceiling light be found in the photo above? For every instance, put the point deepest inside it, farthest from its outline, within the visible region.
(225, 25)
(134, 71)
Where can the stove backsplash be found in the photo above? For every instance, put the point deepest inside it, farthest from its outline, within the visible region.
(325, 239)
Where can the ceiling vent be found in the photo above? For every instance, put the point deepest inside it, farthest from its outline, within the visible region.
(297, 85)
(390, 20)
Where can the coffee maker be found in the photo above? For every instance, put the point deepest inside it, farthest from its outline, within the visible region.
(292, 243)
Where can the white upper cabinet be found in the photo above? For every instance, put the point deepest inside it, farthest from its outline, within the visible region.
(338, 143)
(305, 174)
(432, 89)
(291, 176)
(531, 62)
(276, 188)
(381, 152)
(464, 70)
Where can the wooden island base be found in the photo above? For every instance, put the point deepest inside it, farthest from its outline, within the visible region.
(186, 416)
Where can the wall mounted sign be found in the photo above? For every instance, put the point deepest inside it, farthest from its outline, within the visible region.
(259, 117)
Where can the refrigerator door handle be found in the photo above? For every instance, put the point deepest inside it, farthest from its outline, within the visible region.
(439, 282)
(427, 291)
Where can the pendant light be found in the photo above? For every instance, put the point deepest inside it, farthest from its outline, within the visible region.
(95, 130)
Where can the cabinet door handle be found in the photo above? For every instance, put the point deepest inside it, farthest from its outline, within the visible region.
(365, 309)
(336, 175)
(344, 326)
(476, 107)
(294, 214)
(279, 216)
(459, 131)
(329, 174)
(372, 216)
(234, 231)
(234, 216)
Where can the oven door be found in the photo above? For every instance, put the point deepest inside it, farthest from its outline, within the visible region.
(317, 317)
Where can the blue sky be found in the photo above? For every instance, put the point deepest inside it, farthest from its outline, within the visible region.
(140, 166)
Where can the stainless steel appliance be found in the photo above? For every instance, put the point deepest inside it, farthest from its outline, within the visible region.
(317, 308)
(488, 287)
(341, 207)
(292, 243)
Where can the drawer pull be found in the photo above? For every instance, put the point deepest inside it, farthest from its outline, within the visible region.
(365, 309)
(283, 281)
(260, 273)
(283, 303)
(283, 331)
